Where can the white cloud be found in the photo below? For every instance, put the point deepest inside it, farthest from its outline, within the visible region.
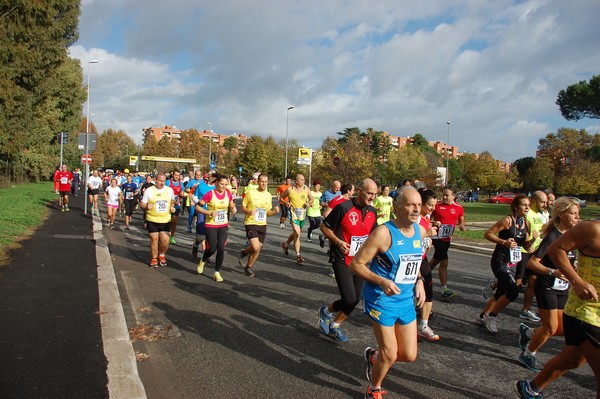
(492, 68)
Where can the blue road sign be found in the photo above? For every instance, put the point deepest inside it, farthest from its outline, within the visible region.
(240, 169)
(213, 165)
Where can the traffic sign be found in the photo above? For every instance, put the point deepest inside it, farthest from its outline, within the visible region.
(240, 169)
(213, 165)
(336, 161)
(86, 159)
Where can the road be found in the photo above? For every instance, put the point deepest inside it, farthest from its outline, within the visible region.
(258, 337)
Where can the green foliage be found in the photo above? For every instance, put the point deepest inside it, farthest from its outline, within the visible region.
(580, 100)
(113, 149)
(408, 162)
(420, 141)
(540, 175)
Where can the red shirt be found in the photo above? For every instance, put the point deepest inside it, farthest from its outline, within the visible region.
(448, 216)
(336, 201)
(64, 180)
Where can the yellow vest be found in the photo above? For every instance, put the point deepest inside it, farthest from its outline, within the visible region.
(587, 311)
(297, 202)
(161, 200)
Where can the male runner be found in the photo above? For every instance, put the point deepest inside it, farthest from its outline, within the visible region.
(300, 199)
(284, 203)
(64, 179)
(94, 183)
(177, 187)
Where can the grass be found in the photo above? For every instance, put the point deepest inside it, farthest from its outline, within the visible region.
(24, 207)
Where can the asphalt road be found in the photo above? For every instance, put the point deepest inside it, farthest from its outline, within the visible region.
(258, 338)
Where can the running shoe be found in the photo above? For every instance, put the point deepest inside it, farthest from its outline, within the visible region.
(162, 260)
(321, 241)
(62, 209)
(249, 272)
(428, 334)
(331, 273)
(523, 338)
(525, 392)
(531, 362)
(201, 267)
(67, 209)
(374, 393)
(479, 320)
(153, 263)
(281, 226)
(172, 241)
(368, 355)
(490, 323)
(286, 248)
(337, 334)
(324, 320)
(489, 289)
(194, 250)
(529, 315)
(448, 294)
(299, 259)
(243, 262)
(217, 277)
(189, 229)
(308, 239)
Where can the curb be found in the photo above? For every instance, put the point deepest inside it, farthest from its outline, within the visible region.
(123, 378)
(470, 248)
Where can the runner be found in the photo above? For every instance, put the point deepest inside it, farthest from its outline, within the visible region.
(252, 184)
(347, 228)
(94, 183)
(428, 201)
(383, 204)
(158, 202)
(177, 187)
(257, 207)
(284, 203)
(537, 218)
(130, 193)
(122, 179)
(347, 192)
(217, 202)
(581, 318)
(76, 182)
(201, 190)
(314, 210)
(550, 286)
(64, 179)
(149, 183)
(56, 182)
(300, 199)
(393, 287)
(510, 236)
(328, 195)
(447, 214)
(190, 189)
(113, 197)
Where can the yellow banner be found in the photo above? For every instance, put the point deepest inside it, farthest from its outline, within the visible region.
(133, 159)
(168, 159)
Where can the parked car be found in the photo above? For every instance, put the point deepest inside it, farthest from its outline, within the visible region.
(582, 203)
(502, 198)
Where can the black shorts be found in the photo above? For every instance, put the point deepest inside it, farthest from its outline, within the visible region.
(93, 192)
(577, 331)
(129, 206)
(255, 231)
(284, 210)
(441, 249)
(550, 299)
(154, 227)
(522, 266)
(65, 193)
(177, 211)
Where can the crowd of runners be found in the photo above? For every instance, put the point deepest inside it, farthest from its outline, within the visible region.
(378, 243)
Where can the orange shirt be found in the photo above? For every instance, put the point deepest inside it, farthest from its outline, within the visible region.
(280, 190)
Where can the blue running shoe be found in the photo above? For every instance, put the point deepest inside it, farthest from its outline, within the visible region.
(524, 390)
(523, 338)
(324, 320)
(531, 362)
(337, 334)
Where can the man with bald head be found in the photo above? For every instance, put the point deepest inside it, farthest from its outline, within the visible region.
(347, 227)
(536, 218)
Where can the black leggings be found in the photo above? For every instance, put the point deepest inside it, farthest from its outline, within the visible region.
(506, 280)
(215, 237)
(350, 287)
(315, 222)
(428, 283)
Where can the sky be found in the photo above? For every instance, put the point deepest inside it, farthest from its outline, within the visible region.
(493, 69)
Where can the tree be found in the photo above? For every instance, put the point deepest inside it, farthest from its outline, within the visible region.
(420, 141)
(481, 171)
(522, 165)
(408, 162)
(580, 100)
(540, 176)
(582, 181)
(255, 157)
(113, 148)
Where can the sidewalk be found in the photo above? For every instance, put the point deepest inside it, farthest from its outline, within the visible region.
(50, 333)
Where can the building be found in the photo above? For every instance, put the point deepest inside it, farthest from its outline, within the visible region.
(171, 132)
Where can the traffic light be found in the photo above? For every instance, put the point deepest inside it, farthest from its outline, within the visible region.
(63, 138)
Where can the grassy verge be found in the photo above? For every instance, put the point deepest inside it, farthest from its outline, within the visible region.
(23, 208)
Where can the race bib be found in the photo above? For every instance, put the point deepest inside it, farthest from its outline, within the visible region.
(408, 270)
(128, 195)
(560, 284)
(64, 180)
(162, 206)
(356, 243)
(299, 213)
(425, 244)
(221, 216)
(445, 231)
(260, 215)
(515, 255)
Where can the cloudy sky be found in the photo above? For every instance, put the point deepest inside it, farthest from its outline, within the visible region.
(492, 69)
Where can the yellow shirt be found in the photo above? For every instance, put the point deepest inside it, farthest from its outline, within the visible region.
(587, 311)
(384, 207)
(262, 202)
(298, 203)
(219, 203)
(162, 200)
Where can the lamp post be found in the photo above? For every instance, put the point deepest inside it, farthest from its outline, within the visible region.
(287, 123)
(209, 143)
(447, 151)
(87, 132)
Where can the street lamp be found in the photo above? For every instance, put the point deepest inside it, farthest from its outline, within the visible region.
(447, 151)
(87, 132)
(287, 123)
(209, 143)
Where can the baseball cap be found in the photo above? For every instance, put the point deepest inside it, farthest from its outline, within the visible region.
(126, 171)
